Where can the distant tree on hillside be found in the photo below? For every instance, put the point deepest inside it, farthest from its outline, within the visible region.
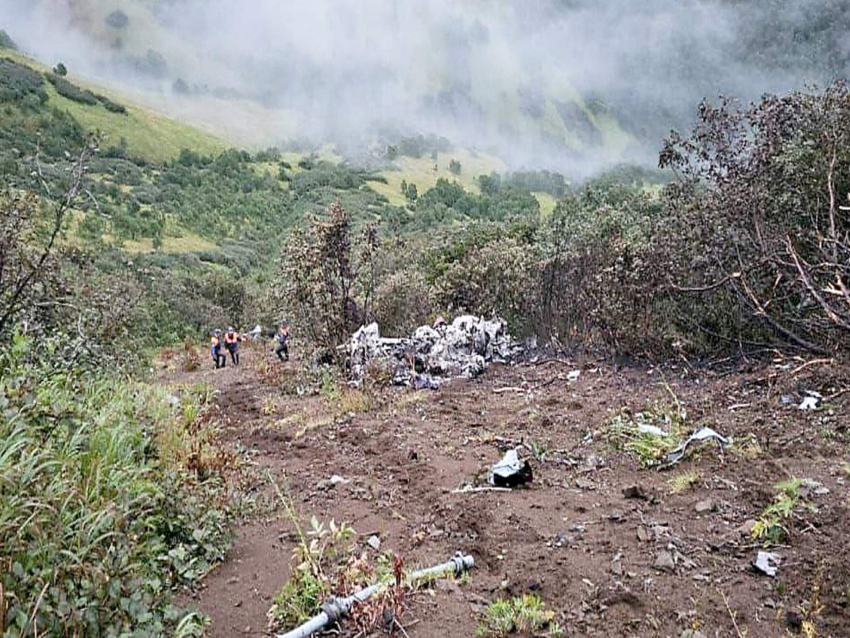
(180, 87)
(117, 19)
(392, 152)
(454, 167)
(6, 41)
(60, 70)
(490, 184)
(412, 193)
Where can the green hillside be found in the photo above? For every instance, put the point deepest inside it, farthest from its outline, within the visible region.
(147, 134)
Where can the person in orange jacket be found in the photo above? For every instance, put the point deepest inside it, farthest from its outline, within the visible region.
(231, 342)
(215, 350)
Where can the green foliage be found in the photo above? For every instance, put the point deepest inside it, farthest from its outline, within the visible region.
(631, 432)
(526, 615)
(328, 280)
(418, 146)
(771, 527)
(71, 91)
(454, 167)
(403, 302)
(60, 69)
(19, 83)
(97, 528)
(6, 41)
(756, 228)
(319, 558)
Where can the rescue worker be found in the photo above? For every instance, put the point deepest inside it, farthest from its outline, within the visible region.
(215, 350)
(282, 350)
(231, 342)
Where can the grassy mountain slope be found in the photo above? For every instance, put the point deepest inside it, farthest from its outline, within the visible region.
(148, 135)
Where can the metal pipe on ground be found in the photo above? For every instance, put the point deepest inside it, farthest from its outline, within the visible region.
(337, 608)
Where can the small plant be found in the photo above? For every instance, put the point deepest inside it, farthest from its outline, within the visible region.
(538, 450)
(354, 401)
(684, 481)
(770, 528)
(329, 388)
(812, 610)
(747, 447)
(320, 555)
(520, 615)
(189, 359)
(649, 435)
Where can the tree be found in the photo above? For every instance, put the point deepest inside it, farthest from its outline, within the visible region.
(412, 193)
(454, 167)
(60, 70)
(392, 152)
(25, 260)
(320, 280)
(117, 19)
(759, 212)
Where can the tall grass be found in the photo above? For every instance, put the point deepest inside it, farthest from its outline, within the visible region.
(100, 517)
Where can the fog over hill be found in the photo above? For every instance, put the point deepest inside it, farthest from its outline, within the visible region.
(567, 84)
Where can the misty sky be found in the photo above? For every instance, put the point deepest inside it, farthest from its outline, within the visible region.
(561, 83)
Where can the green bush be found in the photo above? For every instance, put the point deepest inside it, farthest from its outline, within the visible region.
(6, 41)
(17, 82)
(71, 91)
(99, 522)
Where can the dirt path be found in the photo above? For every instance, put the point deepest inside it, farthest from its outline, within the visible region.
(657, 565)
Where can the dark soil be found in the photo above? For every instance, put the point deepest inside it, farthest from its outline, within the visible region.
(571, 536)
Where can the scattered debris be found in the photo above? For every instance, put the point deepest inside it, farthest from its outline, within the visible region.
(811, 401)
(425, 382)
(573, 375)
(617, 565)
(333, 481)
(664, 561)
(767, 563)
(701, 435)
(705, 506)
(636, 492)
(654, 430)
(645, 534)
(462, 349)
(374, 542)
(470, 489)
(510, 471)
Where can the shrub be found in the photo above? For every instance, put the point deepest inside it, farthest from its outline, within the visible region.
(96, 527)
(71, 91)
(6, 41)
(758, 218)
(17, 82)
(403, 302)
(117, 19)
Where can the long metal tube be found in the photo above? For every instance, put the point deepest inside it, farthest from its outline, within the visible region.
(337, 608)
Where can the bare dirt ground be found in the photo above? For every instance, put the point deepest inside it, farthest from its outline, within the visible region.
(662, 564)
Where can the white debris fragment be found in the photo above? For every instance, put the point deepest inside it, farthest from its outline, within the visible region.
(767, 563)
(811, 401)
(654, 430)
(703, 434)
(462, 349)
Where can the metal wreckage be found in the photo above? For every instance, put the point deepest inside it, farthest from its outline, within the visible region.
(434, 354)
